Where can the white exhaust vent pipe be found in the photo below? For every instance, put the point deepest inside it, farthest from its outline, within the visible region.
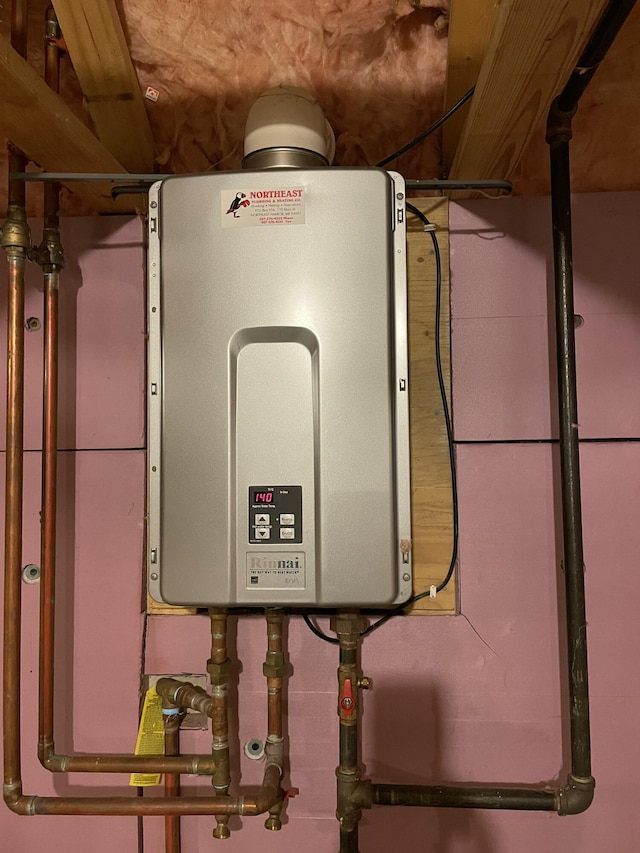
(287, 128)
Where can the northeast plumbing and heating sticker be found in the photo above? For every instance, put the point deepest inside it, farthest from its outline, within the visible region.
(242, 208)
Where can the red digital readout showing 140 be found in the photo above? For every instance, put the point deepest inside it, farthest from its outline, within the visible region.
(263, 497)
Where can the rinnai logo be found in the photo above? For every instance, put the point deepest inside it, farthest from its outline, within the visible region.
(262, 561)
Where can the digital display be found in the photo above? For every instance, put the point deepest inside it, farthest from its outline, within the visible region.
(263, 497)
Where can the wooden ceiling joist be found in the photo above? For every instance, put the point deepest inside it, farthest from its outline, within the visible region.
(38, 121)
(98, 49)
(534, 46)
(470, 26)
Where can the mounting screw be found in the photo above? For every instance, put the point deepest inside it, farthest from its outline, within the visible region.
(31, 573)
(32, 324)
(254, 748)
(406, 576)
(154, 204)
(154, 576)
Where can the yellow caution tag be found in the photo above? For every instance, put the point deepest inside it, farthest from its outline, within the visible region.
(150, 740)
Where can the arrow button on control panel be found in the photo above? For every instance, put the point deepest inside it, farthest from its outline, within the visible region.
(262, 518)
(262, 533)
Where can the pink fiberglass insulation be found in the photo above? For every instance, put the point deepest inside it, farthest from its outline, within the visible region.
(376, 66)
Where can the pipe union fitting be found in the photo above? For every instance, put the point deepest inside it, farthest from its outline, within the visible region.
(275, 665)
(219, 672)
(16, 233)
(348, 625)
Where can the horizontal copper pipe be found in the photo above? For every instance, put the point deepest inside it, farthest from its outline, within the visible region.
(201, 765)
(268, 795)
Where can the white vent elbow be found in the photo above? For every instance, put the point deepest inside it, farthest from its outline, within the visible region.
(287, 128)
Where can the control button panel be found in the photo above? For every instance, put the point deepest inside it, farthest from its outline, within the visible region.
(275, 514)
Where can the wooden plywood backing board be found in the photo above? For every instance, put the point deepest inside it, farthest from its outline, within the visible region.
(431, 494)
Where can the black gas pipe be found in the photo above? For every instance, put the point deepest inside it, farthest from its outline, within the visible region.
(576, 796)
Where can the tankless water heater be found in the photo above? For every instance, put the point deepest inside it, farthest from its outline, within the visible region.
(278, 389)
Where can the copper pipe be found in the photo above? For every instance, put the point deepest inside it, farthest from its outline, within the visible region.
(50, 255)
(200, 765)
(17, 160)
(16, 240)
(261, 802)
(219, 667)
(172, 781)
(48, 512)
(13, 522)
(52, 262)
(19, 12)
(274, 669)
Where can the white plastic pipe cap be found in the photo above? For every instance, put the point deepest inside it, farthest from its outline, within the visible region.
(287, 117)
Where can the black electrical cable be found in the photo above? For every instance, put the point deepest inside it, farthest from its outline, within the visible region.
(396, 611)
(422, 136)
(318, 632)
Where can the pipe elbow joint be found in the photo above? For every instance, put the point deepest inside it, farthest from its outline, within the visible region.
(576, 796)
(48, 759)
(19, 804)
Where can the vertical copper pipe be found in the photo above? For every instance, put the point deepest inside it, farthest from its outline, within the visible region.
(219, 675)
(275, 659)
(19, 12)
(48, 512)
(274, 670)
(13, 522)
(172, 782)
(51, 259)
(17, 160)
(15, 238)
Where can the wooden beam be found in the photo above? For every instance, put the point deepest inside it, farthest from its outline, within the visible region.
(38, 121)
(98, 49)
(470, 25)
(534, 46)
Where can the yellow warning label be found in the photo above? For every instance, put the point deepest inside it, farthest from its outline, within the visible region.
(150, 740)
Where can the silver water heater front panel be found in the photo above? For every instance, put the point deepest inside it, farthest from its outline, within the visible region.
(278, 389)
